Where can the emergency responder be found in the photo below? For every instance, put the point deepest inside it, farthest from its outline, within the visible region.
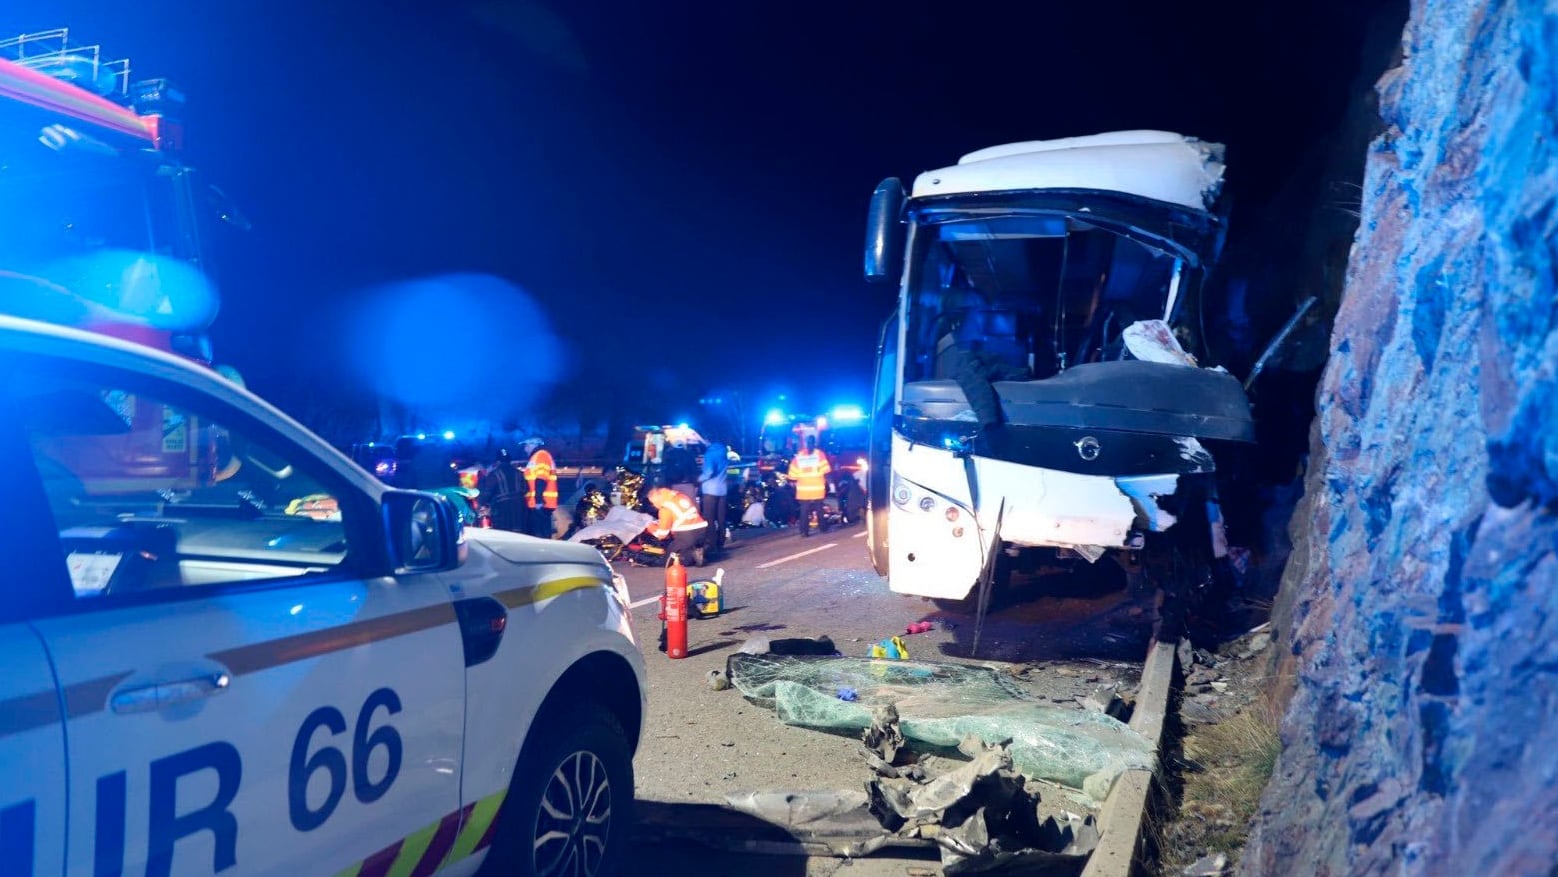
(713, 487)
(499, 489)
(541, 480)
(679, 520)
(809, 470)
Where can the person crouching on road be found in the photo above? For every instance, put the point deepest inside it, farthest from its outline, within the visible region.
(809, 470)
(541, 498)
(679, 519)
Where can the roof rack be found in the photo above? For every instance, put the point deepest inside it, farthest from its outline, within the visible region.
(51, 52)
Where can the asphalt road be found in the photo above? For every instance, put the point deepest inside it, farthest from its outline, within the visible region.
(700, 745)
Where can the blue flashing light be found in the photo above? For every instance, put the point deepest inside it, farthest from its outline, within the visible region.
(681, 425)
(774, 418)
(421, 436)
(373, 444)
(848, 413)
(449, 435)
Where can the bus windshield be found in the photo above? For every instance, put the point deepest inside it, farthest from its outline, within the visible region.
(1032, 294)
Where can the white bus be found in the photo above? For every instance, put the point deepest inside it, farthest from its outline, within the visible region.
(1039, 398)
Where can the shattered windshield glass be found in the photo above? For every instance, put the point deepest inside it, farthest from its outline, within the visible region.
(1032, 293)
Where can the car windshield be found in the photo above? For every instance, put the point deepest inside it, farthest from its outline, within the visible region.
(127, 473)
(1034, 293)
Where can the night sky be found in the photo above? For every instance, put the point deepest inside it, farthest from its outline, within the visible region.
(680, 187)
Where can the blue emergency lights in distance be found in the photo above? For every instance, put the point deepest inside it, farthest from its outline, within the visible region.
(847, 414)
(775, 417)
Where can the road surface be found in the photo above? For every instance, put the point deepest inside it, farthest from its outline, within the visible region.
(700, 745)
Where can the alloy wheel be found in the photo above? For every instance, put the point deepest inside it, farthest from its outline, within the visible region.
(574, 818)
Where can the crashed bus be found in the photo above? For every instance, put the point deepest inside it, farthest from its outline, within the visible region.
(1039, 401)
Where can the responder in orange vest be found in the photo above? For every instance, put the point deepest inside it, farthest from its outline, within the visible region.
(809, 470)
(541, 479)
(679, 519)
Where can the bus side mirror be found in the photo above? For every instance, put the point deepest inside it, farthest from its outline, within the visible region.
(884, 233)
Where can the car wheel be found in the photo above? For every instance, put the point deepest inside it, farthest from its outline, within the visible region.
(570, 807)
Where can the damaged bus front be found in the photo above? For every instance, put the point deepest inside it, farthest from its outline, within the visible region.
(1038, 393)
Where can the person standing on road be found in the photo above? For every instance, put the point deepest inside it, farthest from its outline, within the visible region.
(679, 519)
(809, 470)
(713, 490)
(541, 497)
(499, 488)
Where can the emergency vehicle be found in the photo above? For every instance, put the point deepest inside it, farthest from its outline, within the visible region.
(647, 445)
(101, 222)
(843, 434)
(104, 223)
(269, 662)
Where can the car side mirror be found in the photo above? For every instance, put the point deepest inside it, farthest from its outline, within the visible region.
(425, 532)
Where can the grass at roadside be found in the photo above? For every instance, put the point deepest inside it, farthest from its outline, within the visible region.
(1223, 769)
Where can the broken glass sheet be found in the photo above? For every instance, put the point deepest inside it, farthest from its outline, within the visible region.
(941, 703)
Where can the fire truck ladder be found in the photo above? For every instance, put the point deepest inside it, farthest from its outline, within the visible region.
(51, 52)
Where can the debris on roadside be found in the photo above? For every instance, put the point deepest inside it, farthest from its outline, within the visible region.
(892, 648)
(980, 814)
(940, 704)
(762, 645)
(718, 680)
(1107, 700)
(1207, 866)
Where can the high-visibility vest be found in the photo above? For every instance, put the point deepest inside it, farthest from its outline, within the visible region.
(540, 468)
(809, 470)
(677, 513)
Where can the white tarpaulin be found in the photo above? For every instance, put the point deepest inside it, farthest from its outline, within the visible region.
(620, 521)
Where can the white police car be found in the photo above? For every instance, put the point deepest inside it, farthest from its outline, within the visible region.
(228, 650)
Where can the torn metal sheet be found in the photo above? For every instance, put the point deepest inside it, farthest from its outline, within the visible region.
(1144, 494)
(796, 809)
(980, 814)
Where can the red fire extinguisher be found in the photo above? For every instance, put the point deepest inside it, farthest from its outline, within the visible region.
(676, 609)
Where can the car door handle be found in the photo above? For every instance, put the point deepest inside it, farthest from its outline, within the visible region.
(146, 698)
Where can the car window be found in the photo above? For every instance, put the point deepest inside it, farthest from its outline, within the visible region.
(149, 494)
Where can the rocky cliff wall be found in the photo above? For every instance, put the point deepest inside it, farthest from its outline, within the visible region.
(1422, 737)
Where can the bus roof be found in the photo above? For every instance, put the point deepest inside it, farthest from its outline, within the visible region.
(28, 86)
(1150, 164)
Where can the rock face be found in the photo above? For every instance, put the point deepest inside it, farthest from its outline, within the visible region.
(1422, 736)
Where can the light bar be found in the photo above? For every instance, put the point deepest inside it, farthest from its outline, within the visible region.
(39, 89)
